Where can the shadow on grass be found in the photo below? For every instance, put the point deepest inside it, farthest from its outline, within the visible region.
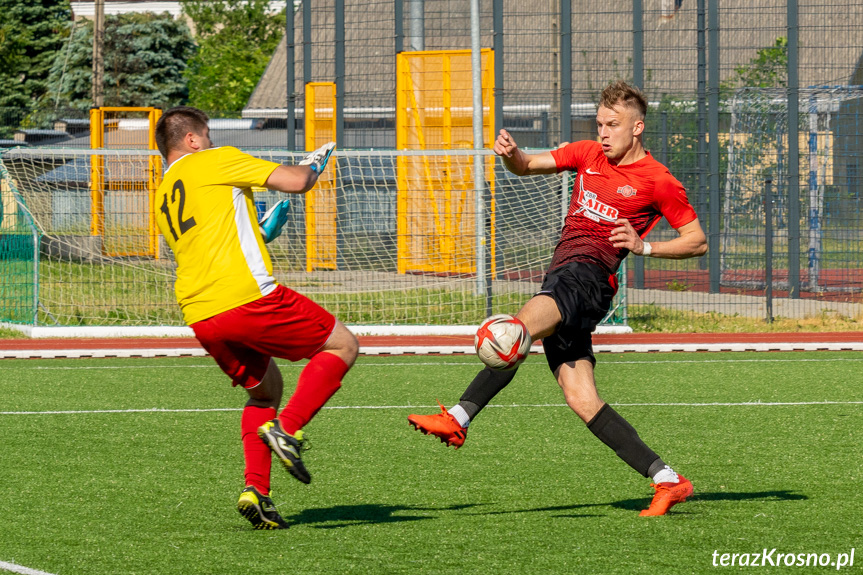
(339, 516)
(371, 514)
(643, 503)
(781, 495)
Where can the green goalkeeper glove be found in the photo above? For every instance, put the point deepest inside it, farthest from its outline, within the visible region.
(274, 219)
(317, 160)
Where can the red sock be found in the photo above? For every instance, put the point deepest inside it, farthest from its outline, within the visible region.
(319, 380)
(255, 451)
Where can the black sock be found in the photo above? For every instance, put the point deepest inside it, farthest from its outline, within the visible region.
(619, 435)
(655, 467)
(483, 388)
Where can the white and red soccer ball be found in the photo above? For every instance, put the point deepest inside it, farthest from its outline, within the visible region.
(502, 342)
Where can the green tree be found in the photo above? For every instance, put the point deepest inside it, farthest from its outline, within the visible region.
(145, 57)
(12, 47)
(236, 39)
(768, 69)
(31, 35)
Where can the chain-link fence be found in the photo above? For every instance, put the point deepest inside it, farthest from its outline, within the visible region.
(774, 173)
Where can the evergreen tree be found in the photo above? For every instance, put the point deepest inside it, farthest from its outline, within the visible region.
(12, 47)
(32, 33)
(145, 56)
(236, 39)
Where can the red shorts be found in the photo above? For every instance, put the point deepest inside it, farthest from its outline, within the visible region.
(282, 324)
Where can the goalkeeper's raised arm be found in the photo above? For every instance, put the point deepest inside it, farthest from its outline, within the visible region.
(518, 162)
(301, 178)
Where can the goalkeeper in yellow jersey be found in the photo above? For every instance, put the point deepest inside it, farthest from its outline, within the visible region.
(228, 295)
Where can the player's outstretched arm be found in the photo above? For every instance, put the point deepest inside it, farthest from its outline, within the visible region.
(519, 163)
(691, 242)
(292, 179)
(302, 177)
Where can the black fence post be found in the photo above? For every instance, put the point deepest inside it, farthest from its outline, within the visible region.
(499, 94)
(768, 248)
(307, 57)
(399, 11)
(339, 128)
(713, 230)
(497, 19)
(663, 138)
(793, 154)
(701, 194)
(289, 78)
(638, 80)
(565, 71)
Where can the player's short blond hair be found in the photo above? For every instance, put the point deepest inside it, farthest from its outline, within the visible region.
(174, 124)
(620, 93)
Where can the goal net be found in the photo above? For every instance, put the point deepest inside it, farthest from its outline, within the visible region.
(386, 237)
(830, 144)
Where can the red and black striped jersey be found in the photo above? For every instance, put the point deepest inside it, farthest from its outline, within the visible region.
(642, 192)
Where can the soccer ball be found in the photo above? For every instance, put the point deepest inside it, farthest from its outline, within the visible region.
(502, 342)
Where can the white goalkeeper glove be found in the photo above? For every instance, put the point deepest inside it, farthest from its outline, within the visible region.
(317, 160)
(274, 219)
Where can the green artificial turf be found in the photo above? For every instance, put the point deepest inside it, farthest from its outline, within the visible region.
(532, 491)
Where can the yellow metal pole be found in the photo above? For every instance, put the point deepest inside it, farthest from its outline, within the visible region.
(446, 243)
(311, 229)
(447, 101)
(401, 164)
(488, 97)
(97, 173)
(488, 83)
(331, 180)
(433, 194)
(320, 216)
(154, 179)
(427, 173)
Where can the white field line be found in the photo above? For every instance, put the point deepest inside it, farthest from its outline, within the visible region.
(417, 407)
(99, 353)
(361, 364)
(13, 568)
(446, 350)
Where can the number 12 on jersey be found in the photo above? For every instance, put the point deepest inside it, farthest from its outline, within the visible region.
(177, 204)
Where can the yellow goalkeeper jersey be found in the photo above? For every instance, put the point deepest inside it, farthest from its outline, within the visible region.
(205, 210)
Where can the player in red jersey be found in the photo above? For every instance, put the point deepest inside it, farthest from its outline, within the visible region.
(621, 192)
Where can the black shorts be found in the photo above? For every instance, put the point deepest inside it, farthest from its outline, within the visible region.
(583, 293)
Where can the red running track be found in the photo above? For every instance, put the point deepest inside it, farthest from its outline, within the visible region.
(448, 340)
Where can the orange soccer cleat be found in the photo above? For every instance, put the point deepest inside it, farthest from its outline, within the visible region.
(667, 495)
(443, 425)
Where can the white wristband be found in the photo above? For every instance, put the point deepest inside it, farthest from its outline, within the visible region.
(647, 250)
